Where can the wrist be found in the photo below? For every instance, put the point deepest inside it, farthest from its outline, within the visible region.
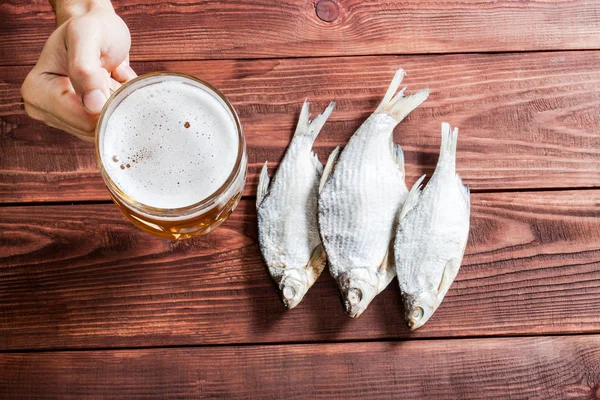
(67, 9)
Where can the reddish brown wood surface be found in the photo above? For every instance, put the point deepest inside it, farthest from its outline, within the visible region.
(526, 120)
(510, 368)
(185, 29)
(81, 276)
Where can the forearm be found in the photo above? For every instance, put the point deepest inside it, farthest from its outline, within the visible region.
(66, 9)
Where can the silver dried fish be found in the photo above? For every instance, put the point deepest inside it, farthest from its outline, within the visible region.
(360, 197)
(432, 235)
(287, 213)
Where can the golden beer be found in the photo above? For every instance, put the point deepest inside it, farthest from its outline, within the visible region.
(172, 154)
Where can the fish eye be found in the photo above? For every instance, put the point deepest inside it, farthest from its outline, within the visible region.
(354, 296)
(417, 313)
(288, 292)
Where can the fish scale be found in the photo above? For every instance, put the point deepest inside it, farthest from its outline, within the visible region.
(361, 192)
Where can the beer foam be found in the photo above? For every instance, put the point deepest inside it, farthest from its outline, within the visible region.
(169, 144)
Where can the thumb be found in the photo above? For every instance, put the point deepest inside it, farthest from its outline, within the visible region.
(89, 61)
(91, 85)
(87, 76)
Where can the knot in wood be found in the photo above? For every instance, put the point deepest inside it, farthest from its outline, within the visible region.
(327, 10)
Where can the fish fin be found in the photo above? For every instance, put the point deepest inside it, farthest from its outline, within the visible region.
(466, 192)
(263, 185)
(398, 105)
(399, 157)
(412, 198)
(329, 166)
(387, 272)
(315, 160)
(312, 128)
(450, 272)
(316, 264)
(448, 146)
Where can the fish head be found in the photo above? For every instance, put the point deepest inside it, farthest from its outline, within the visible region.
(418, 308)
(358, 288)
(292, 287)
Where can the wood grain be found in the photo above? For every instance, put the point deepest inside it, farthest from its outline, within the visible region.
(526, 120)
(212, 29)
(508, 368)
(81, 276)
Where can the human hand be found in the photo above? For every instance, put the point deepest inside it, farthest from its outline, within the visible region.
(84, 59)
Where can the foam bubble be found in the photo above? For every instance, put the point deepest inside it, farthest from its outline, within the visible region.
(164, 160)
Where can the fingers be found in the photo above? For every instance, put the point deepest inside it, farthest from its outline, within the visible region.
(89, 79)
(54, 122)
(51, 99)
(123, 72)
(113, 85)
(93, 51)
(82, 62)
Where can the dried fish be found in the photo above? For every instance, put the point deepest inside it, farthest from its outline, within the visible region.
(432, 235)
(287, 213)
(361, 192)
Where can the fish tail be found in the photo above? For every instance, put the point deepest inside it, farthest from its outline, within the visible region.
(448, 147)
(309, 128)
(396, 104)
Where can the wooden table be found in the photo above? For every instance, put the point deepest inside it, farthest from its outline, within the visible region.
(92, 308)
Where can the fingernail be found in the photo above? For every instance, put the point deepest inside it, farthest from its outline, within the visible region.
(94, 101)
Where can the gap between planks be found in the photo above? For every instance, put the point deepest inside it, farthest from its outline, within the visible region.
(316, 57)
(253, 197)
(290, 343)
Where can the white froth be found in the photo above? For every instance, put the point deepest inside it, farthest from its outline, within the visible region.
(169, 145)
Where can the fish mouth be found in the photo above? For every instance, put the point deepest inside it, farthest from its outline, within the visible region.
(354, 314)
(412, 324)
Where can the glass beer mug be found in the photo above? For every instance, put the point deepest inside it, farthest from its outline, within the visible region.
(172, 154)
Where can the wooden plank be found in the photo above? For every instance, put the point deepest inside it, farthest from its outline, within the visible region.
(508, 368)
(212, 29)
(81, 276)
(527, 120)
